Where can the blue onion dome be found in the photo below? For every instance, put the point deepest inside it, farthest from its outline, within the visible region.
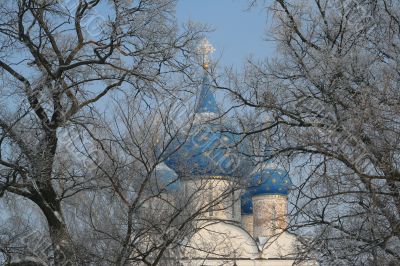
(269, 179)
(246, 203)
(209, 148)
(206, 151)
(165, 179)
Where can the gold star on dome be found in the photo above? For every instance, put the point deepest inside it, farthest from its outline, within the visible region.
(204, 50)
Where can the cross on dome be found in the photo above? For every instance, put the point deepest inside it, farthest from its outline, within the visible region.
(204, 50)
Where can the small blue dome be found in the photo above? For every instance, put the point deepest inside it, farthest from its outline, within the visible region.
(269, 179)
(166, 179)
(246, 203)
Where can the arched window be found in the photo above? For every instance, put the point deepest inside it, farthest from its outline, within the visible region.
(210, 200)
(233, 204)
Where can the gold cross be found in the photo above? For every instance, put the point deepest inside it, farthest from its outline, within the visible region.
(204, 50)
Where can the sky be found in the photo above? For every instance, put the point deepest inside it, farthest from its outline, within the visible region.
(238, 32)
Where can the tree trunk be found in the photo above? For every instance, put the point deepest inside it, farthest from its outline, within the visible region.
(64, 253)
(43, 194)
(50, 204)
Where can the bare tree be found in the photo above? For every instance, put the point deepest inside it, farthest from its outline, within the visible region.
(329, 104)
(60, 61)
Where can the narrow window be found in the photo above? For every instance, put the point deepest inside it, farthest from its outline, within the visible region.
(233, 204)
(210, 200)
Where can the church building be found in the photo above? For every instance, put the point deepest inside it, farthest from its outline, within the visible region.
(247, 225)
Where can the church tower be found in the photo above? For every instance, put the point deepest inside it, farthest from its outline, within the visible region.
(206, 159)
(267, 209)
(247, 219)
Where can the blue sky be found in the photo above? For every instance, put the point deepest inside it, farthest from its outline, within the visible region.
(237, 33)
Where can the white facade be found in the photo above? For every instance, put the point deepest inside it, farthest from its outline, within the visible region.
(227, 239)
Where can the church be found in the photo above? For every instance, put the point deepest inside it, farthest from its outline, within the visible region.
(246, 218)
